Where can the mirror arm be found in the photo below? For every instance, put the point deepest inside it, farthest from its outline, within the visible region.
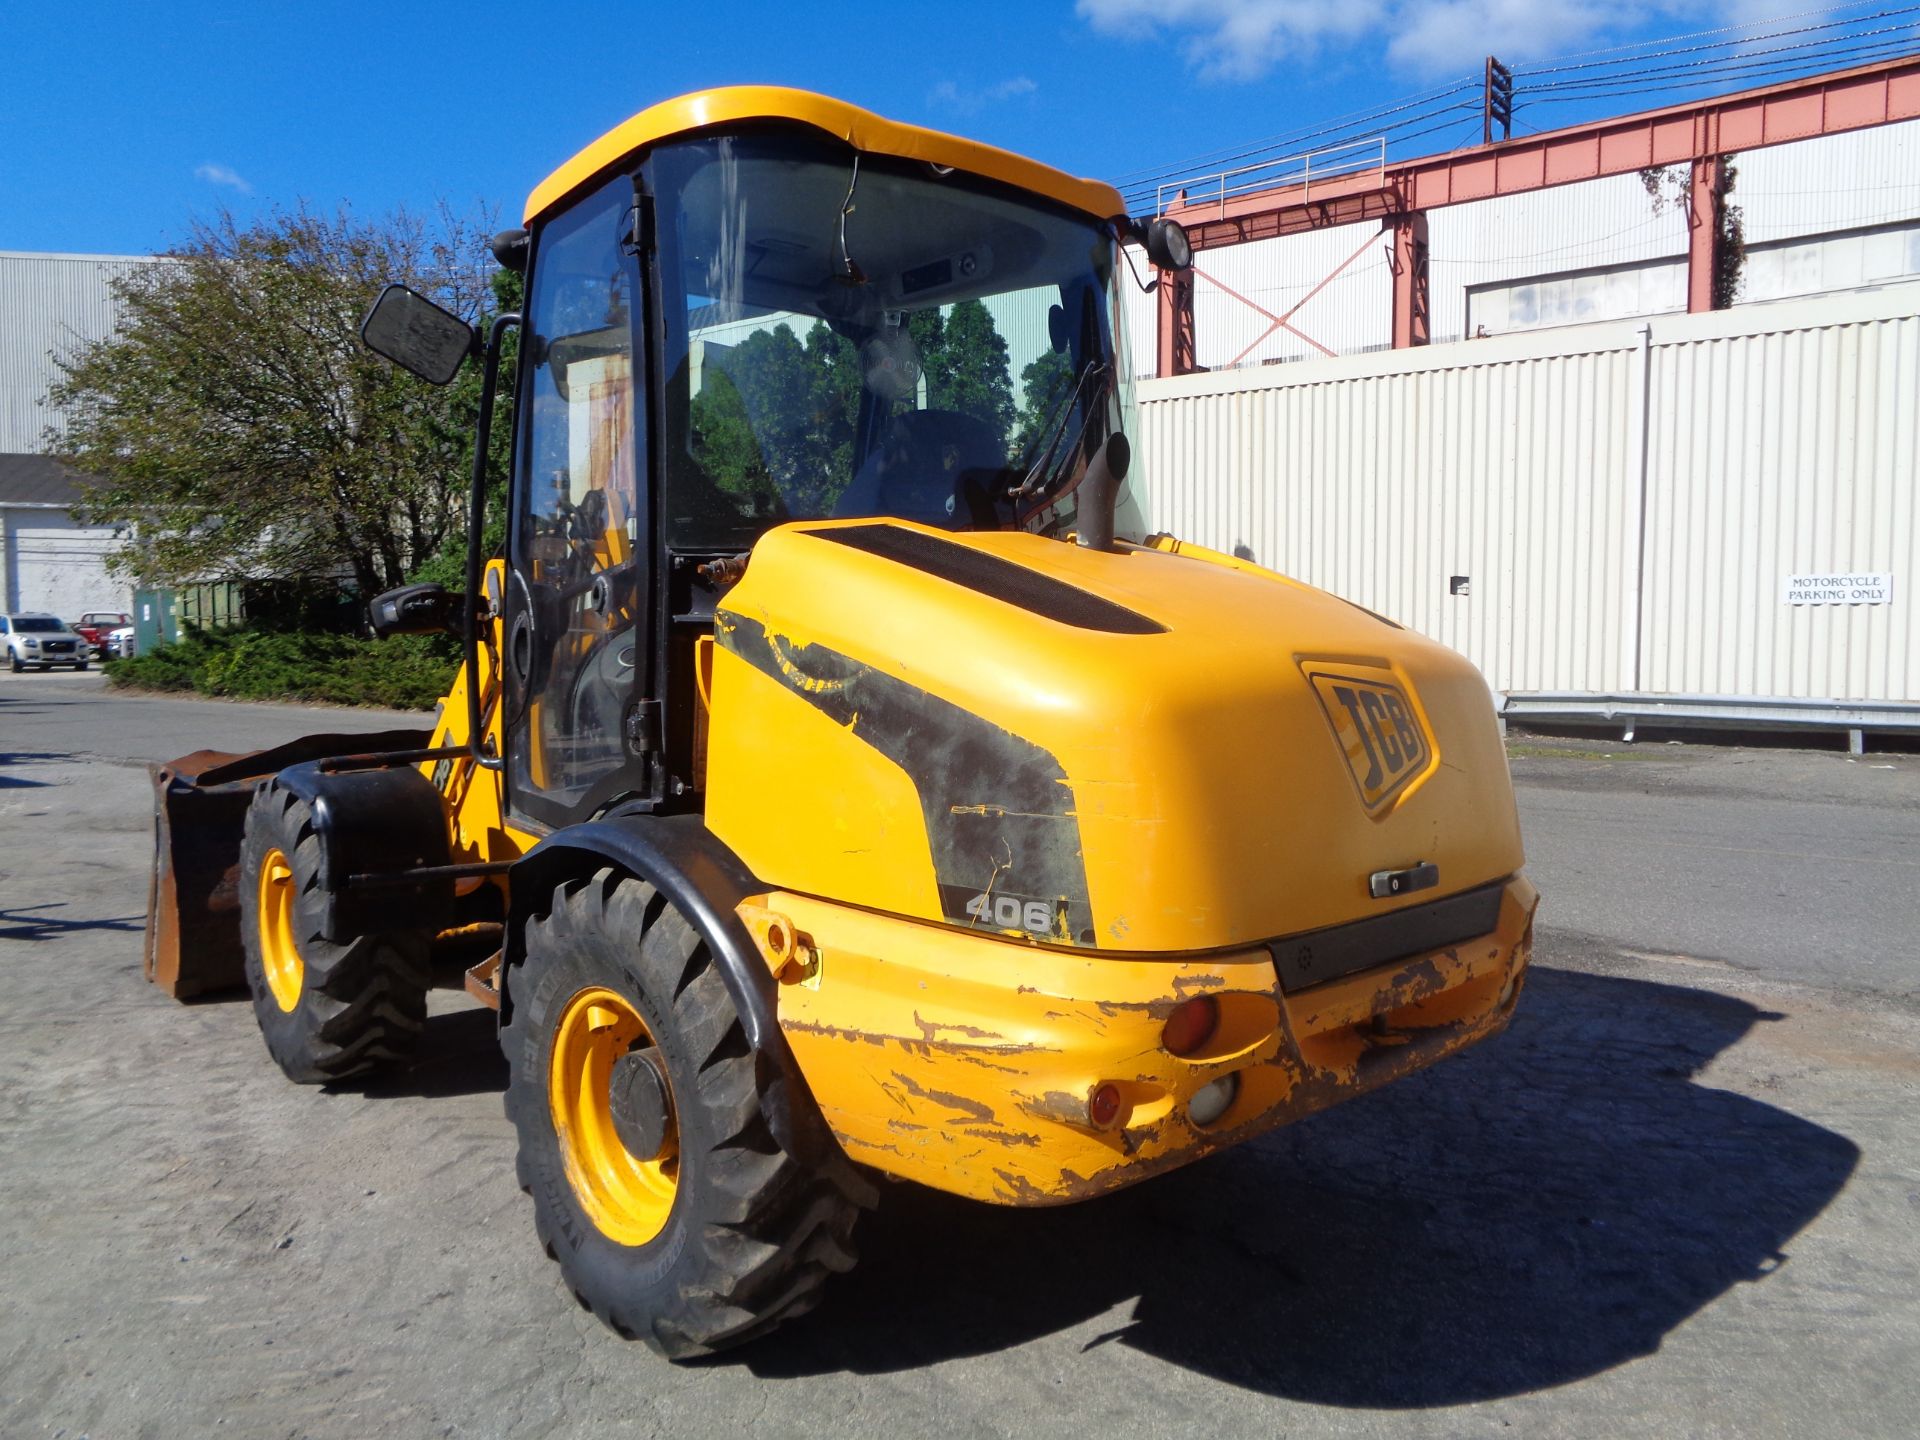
(476, 537)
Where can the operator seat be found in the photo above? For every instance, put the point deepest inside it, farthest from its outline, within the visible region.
(938, 467)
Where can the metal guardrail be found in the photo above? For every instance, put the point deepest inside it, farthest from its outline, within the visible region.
(1722, 712)
(1356, 157)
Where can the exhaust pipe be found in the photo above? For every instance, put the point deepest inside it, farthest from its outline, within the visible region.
(1099, 492)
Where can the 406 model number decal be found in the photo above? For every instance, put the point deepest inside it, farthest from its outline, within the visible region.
(1010, 912)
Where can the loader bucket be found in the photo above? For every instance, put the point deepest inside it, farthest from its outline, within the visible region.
(199, 816)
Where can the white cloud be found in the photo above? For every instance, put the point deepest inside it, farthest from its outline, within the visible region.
(1238, 39)
(949, 96)
(1452, 34)
(1245, 39)
(216, 174)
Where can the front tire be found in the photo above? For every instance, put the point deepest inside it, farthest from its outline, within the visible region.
(673, 1213)
(327, 1009)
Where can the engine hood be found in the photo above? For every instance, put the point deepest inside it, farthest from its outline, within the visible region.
(1150, 750)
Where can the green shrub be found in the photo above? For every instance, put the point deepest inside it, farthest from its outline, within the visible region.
(404, 672)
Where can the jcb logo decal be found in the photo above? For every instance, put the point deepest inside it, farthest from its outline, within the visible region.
(1376, 727)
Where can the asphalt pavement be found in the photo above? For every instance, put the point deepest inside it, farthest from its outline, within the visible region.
(1797, 864)
(1678, 1197)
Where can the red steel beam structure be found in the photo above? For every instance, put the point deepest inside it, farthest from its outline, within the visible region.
(1699, 134)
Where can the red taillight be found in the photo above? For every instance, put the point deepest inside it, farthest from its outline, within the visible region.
(1104, 1106)
(1191, 1025)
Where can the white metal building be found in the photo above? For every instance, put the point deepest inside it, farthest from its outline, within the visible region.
(48, 561)
(1691, 517)
(1820, 216)
(49, 304)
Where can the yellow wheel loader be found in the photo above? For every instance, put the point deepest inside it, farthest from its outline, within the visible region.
(850, 783)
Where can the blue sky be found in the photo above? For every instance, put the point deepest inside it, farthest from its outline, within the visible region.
(122, 121)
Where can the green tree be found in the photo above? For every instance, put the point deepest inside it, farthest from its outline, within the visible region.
(1044, 386)
(966, 365)
(774, 420)
(723, 438)
(448, 565)
(834, 412)
(234, 424)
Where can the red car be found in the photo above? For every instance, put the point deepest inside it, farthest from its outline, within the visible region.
(94, 625)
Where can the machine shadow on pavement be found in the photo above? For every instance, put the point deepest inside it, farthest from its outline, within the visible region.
(9, 759)
(459, 1054)
(1541, 1210)
(459, 1051)
(26, 922)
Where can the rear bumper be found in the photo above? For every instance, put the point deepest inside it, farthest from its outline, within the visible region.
(967, 1063)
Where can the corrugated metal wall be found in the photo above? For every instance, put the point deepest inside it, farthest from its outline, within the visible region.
(1837, 182)
(48, 303)
(1779, 439)
(1791, 451)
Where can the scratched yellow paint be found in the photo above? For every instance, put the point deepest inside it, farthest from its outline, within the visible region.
(790, 788)
(966, 1063)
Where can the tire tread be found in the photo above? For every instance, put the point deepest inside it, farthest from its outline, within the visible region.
(766, 1232)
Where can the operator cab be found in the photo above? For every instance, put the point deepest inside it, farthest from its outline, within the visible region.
(757, 323)
(746, 329)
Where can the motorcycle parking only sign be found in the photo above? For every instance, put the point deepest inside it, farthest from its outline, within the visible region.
(1838, 589)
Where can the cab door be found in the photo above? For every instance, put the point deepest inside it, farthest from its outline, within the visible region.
(579, 545)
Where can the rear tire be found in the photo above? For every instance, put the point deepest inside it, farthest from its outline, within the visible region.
(327, 1009)
(723, 1235)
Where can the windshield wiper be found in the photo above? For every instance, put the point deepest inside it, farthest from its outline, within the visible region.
(1043, 473)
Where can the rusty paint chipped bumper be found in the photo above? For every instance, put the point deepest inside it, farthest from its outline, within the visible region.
(967, 1063)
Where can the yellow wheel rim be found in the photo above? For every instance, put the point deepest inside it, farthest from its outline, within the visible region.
(279, 951)
(627, 1199)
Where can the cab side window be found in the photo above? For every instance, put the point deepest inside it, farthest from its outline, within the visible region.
(578, 544)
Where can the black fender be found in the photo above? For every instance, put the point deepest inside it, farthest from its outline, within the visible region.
(375, 823)
(705, 881)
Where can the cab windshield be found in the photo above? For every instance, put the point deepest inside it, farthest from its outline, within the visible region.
(856, 335)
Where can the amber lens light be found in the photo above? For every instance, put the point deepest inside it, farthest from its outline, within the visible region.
(1105, 1105)
(1191, 1025)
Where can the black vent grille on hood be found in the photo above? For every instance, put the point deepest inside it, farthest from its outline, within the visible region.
(990, 575)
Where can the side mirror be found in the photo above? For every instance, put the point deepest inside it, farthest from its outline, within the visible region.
(417, 335)
(1167, 244)
(417, 610)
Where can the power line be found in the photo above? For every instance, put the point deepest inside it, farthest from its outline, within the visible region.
(1291, 137)
(1149, 189)
(1628, 87)
(1842, 42)
(1364, 124)
(1824, 49)
(1632, 53)
(1743, 26)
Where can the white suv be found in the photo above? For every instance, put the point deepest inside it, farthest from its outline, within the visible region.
(42, 640)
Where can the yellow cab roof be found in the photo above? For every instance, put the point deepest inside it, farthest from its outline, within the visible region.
(860, 128)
